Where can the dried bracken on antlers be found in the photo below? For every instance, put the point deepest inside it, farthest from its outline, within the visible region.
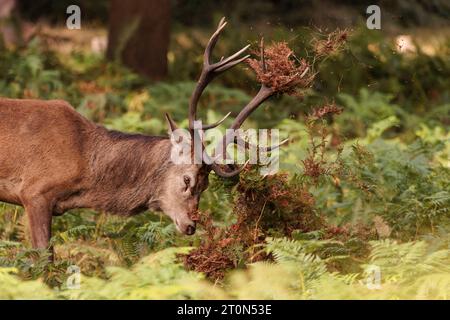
(281, 70)
(278, 71)
(333, 43)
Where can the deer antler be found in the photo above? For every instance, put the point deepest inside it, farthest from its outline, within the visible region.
(210, 71)
(263, 94)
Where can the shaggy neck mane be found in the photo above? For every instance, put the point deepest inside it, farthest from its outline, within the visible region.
(125, 168)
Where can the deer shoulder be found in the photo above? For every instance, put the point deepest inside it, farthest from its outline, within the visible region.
(42, 146)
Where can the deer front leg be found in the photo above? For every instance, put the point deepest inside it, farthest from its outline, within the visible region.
(40, 222)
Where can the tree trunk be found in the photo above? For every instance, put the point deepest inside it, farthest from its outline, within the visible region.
(139, 34)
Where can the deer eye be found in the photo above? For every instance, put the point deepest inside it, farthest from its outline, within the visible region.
(187, 181)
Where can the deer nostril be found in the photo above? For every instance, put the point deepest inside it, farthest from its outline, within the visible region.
(190, 230)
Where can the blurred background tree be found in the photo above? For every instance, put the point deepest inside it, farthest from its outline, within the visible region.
(139, 33)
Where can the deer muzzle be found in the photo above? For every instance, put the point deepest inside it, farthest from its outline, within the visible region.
(186, 227)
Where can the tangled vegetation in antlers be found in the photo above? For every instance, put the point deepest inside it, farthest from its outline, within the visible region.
(278, 69)
(281, 70)
(273, 206)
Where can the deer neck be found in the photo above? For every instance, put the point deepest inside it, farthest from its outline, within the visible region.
(127, 170)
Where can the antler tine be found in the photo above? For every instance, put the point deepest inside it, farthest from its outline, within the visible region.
(210, 70)
(213, 40)
(231, 64)
(263, 59)
(173, 126)
(225, 174)
(248, 145)
(232, 57)
(216, 124)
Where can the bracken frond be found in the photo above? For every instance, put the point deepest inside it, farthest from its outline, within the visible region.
(283, 71)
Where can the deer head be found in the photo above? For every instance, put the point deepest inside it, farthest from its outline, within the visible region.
(188, 181)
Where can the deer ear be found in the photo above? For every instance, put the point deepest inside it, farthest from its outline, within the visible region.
(172, 125)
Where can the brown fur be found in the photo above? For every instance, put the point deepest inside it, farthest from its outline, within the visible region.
(52, 159)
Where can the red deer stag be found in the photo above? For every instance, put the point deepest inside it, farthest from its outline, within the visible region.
(52, 159)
